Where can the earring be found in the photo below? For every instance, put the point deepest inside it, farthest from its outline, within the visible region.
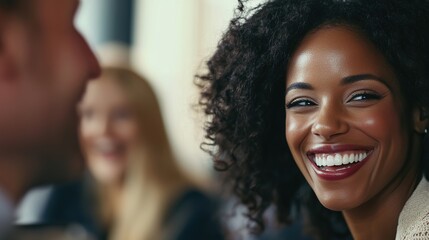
(426, 131)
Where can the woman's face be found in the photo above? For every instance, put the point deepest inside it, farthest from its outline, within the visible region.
(108, 130)
(343, 117)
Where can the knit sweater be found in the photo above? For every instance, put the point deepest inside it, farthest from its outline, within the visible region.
(413, 221)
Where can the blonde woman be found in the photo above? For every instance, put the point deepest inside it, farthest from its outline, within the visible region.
(140, 192)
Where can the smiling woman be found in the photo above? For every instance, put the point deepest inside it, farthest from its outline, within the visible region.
(330, 95)
(347, 129)
(135, 188)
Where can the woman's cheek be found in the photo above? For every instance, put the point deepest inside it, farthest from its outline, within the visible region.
(296, 126)
(295, 133)
(379, 123)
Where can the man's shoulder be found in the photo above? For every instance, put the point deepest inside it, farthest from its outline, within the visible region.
(47, 232)
(6, 213)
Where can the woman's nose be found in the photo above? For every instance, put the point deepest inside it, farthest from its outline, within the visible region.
(329, 122)
(97, 126)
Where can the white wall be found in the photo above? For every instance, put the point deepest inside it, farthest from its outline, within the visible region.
(172, 37)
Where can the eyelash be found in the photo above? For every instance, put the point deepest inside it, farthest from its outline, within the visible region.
(305, 102)
(300, 102)
(365, 96)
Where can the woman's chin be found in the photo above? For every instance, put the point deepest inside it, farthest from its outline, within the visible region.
(336, 203)
(107, 177)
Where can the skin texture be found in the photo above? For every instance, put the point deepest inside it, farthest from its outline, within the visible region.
(108, 130)
(367, 114)
(44, 67)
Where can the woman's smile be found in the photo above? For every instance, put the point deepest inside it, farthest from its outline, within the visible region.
(338, 161)
(109, 149)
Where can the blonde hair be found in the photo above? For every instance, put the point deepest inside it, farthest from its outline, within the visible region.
(153, 178)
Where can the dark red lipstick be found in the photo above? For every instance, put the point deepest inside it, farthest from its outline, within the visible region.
(334, 173)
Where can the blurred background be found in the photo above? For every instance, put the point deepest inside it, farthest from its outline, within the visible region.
(167, 42)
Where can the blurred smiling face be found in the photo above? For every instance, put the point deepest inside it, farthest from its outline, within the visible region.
(108, 130)
(343, 118)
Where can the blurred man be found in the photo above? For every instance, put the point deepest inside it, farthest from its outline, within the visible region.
(44, 66)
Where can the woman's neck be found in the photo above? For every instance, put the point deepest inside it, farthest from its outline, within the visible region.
(378, 218)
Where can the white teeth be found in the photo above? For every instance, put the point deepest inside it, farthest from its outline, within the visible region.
(330, 160)
(346, 159)
(338, 159)
(351, 158)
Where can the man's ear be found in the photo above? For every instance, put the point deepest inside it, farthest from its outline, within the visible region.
(420, 119)
(7, 67)
(9, 37)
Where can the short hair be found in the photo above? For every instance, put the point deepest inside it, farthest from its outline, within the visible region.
(242, 91)
(9, 4)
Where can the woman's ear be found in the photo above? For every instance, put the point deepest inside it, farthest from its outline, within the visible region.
(420, 119)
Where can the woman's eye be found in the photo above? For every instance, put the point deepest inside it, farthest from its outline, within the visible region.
(121, 114)
(364, 96)
(86, 113)
(300, 103)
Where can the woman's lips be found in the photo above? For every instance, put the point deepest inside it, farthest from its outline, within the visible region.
(109, 150)
(336, 162)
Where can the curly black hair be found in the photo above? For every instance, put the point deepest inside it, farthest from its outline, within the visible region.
(242, 92)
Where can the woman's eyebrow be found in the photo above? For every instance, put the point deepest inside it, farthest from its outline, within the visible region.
(298, 85)
(360, 77)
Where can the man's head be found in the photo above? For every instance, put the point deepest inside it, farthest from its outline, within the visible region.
(44, 66)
